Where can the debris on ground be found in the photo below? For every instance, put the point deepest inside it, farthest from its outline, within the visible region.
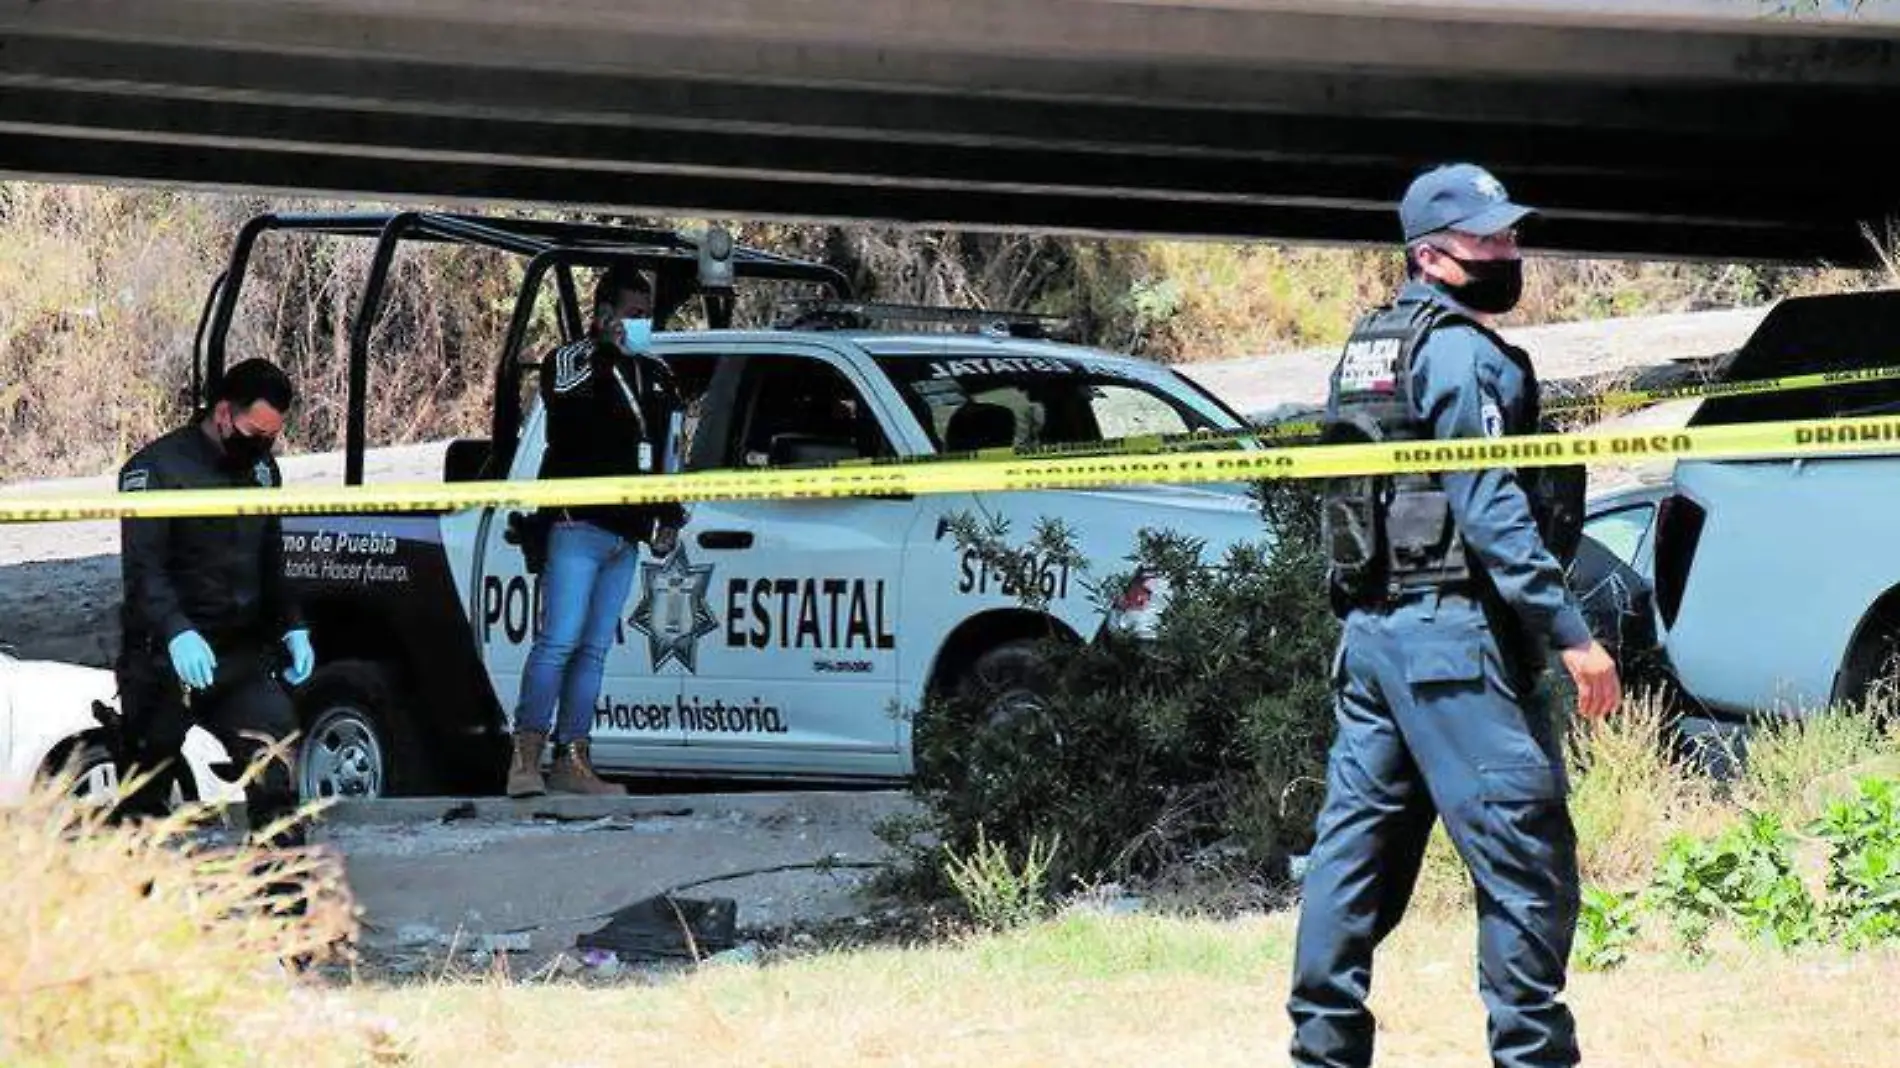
(663, 927)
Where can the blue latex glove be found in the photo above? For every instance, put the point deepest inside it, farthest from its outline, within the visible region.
(193, 660)
(303, 659)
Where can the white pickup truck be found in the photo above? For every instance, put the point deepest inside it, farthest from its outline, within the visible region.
(780, 636)
(777, 639)
(1776, 586)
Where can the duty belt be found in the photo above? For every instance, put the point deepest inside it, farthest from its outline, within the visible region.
(1396, 594)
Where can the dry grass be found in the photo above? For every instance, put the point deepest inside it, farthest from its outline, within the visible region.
(129, 946)
(1091, 990)
(99, 295)
(1629, 797)
(1088, 988)
(103, 973)
(1209, 301)
(1796, 765)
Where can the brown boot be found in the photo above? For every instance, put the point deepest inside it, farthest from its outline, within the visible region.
(574, 774)
(524, 771)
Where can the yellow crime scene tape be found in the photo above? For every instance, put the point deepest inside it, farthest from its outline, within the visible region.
(1831, 437)
(1638, 398)
(1287, 430)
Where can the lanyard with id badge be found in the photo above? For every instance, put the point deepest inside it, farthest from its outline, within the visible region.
(636, 340)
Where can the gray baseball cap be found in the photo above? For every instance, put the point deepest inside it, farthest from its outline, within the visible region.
(1458, 196)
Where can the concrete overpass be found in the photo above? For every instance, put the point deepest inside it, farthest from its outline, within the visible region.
(1696, 129)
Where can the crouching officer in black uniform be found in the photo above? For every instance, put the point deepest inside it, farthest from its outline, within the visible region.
(1450, 593)
(208, 626)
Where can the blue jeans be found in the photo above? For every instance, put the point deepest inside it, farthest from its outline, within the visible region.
(588, 575)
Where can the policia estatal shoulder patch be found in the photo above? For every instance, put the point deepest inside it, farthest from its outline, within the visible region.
(135, 480)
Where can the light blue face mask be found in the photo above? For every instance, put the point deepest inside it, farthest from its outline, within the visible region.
(636, 336)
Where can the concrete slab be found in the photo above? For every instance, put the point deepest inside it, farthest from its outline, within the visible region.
(553, 868)
(817, 804)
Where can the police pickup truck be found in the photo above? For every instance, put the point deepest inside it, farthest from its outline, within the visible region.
(781, 638)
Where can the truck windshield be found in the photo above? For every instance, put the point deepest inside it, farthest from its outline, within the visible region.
(987, 401)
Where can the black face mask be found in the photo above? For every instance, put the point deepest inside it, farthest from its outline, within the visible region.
(243, 450)
(1491, 286)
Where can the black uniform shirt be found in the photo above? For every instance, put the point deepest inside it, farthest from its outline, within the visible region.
(222, 576)
(593, 431)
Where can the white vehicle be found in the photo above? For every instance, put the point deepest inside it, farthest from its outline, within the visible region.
(46, 720)
(1776, 587)
(783, 637)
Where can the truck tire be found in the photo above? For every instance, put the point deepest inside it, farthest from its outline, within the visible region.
(1006, 683)
(1004, 690)
(358, 741)
(95, 777)
(1871, 676)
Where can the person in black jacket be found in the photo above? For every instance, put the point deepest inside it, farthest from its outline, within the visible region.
(208, 622)
(611, 409)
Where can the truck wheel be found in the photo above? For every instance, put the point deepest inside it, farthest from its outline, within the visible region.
(1872, 673)
(356, 737)
(1006, 683)
(95, 776)
(1005, 689)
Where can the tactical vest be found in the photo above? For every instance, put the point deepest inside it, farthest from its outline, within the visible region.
(1386, 535)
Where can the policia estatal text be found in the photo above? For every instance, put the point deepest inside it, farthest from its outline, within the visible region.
(210, 633)
(1450, 586)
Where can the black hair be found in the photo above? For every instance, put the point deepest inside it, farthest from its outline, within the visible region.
(619, 278)
(249, 381)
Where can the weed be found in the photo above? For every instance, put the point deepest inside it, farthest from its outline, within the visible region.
(1746, 875)
(101, 288)
(1607, 925)
(1144, 752)
(1629, 794)
(1863, 870)
(998, 893)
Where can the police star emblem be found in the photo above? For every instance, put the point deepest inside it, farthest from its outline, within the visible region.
(673, 612)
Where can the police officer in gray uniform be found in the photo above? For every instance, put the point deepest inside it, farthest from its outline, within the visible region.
(1450, 595)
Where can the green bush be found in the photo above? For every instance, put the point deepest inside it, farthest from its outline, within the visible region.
(1863, 869)
(1606, 927)
(1748, 877)
(1745, 875)
(1144, 754)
